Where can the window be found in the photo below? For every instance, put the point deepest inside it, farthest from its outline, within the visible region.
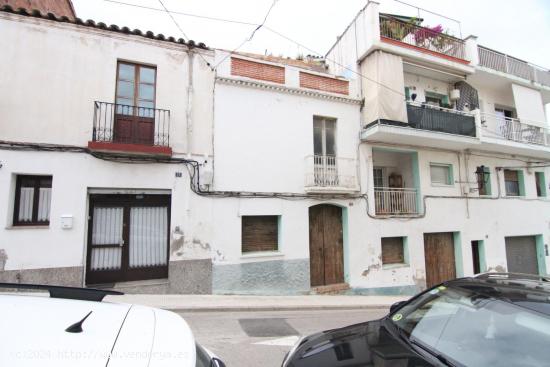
(260, 233)
(32, 200)
(441, 174)
(135, 87)
(324, 141)
(393, 250)
(378, 176)
(436, 99)
(541, 184)
(483, 175)
(513, 182)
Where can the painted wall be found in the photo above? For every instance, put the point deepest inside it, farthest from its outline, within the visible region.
(78, 66)
(274, 133)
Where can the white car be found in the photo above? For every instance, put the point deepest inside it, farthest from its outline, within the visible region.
(73, 327)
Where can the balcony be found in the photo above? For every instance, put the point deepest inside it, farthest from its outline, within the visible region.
(445, 120)
(130, 129)
(396, 182)
(395, 201)
(427, 40)
(330, 174)
(513, 129)
(510, 65)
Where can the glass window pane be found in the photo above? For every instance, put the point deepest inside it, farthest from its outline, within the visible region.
(44, 200)
(26, 197)
(124, 106)
(146, 91)
(330, 141)
(125, 89)
(148, 110)
(27, 181)
(147, 75)
(126, 72)
(317, 141)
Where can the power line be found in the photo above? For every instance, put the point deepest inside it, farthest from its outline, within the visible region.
(182, 32)
(272, 31)
(184, 14)
(251, 35)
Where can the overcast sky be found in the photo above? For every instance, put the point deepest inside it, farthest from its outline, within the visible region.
(519, 28)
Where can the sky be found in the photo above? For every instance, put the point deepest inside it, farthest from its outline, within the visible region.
(518, 28)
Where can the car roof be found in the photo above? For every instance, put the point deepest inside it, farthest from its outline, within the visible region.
(507, 281)
(34, 332)
(527, 291)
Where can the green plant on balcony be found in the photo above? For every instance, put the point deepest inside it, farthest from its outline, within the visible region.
(434, 38)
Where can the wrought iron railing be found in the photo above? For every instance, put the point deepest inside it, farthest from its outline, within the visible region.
(511, 65)
(395, 201)
(326, 171)
(432, 39)
(117, 123)
(514, 129)
(427, 117)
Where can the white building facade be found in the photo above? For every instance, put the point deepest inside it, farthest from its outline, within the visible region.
(405, 159)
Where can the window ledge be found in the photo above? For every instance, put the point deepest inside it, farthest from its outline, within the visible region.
(442, 185)
(253, 255)
(28, 227)
(394, 266)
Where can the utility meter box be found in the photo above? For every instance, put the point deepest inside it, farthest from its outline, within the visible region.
(66, 221)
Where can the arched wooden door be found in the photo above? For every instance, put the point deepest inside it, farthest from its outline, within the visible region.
(326, 252)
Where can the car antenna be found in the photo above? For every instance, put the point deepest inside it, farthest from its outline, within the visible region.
(77, 326)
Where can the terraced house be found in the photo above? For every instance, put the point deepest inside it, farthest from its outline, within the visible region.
(137, 161)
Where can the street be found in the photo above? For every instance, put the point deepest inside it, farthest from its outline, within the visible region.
(252, 339)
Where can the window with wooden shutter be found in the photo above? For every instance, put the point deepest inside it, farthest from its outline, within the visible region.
(393, 250)
(511, 182)
(260, 233)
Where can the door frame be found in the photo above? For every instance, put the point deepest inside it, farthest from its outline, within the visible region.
(127, 201)
(345, 238)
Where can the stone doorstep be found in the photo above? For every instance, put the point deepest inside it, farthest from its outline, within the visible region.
(330, 289)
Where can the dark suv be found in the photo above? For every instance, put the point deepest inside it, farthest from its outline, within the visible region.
(494, 319)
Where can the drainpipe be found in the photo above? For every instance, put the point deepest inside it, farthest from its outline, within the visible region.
(189, 110)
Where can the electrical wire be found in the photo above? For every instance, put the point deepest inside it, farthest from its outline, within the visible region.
(250, 37)
(272, 30)
(192, 165)
(182, 32)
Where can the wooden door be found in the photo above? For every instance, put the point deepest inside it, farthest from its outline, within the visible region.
(326, 245)
(127, 238)
(439, 256)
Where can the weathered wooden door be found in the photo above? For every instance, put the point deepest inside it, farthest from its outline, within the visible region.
(439, 255)
(127, 238)
(326, 245)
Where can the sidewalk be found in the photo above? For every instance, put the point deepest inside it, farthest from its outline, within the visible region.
(214, 303)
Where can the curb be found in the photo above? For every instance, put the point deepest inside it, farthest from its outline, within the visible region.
(278, 308)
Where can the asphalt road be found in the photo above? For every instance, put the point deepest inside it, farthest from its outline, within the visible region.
(252, 339)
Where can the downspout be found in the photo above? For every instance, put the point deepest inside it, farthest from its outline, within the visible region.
(189, 110)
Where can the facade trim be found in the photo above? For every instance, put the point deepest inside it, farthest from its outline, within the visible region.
(288, 90)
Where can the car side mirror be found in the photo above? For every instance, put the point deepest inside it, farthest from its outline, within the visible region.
(396, 305)
(215, 362)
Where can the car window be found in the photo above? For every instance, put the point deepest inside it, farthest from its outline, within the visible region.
(203, 359)
(475, 330)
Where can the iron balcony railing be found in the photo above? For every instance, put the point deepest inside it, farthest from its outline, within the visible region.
(117, 123)
(395, 201)
(514, 129)
(511, 65)
(328, 171)
(434, 118)
(432, 39)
